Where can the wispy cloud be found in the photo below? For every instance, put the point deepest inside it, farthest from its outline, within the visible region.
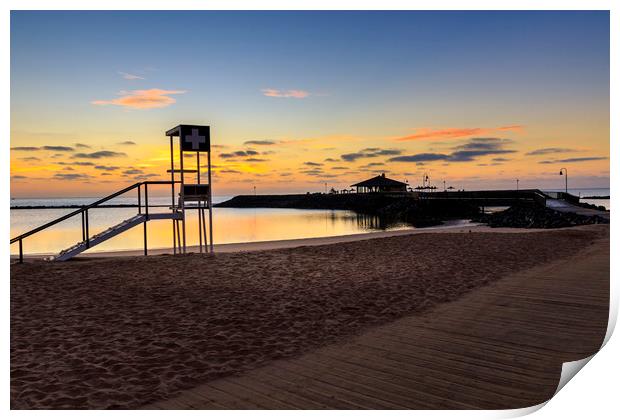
(98, 155)
(292, 93)
(127, 143)
(76, 163)
(50, 148)
(549, 150)
(133, 172)
(259, 142)
(476, 147)
(452, 133)
(143, 99)
(81, 146)
(70, 177)
(106, 168)
(369, 152)
(238, 153)
(24, 148)
(571, 160)
(129, 76)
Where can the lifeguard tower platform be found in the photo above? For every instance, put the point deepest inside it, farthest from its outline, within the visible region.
(193, 194)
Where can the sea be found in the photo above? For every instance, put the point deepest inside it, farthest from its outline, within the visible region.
(230, 225)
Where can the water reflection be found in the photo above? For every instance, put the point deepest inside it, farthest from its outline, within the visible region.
(230, 226)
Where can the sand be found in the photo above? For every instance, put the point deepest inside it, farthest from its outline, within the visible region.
(122, 332)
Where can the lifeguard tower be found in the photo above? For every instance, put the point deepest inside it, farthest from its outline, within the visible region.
(195, 195)
(193, 139)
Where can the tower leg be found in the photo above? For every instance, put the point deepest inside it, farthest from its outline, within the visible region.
(174, 237)
(200, 229)
(204, 227)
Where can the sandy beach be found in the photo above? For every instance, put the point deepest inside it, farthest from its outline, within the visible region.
(126, 331)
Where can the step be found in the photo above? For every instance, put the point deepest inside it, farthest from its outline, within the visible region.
(76, 249)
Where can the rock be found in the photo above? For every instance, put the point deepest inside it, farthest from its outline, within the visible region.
(536, 217)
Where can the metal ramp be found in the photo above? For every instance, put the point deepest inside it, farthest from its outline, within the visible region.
(88, 241)
(111, 232)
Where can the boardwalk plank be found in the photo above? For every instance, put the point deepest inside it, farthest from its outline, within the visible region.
(501, 346)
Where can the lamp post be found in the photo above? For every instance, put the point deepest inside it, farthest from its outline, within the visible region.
(255, 191)
(564, 171)
(444, 185)
(517, 184)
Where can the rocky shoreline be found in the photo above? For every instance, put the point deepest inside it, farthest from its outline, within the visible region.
(536, 217)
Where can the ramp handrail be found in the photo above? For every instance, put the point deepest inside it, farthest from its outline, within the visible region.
(84, 212)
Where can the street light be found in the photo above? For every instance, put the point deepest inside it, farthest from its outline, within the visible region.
(517, 184)
(444, 185)
(565, 173)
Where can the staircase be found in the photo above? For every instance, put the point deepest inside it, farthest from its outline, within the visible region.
(71, 252)
(87, 242)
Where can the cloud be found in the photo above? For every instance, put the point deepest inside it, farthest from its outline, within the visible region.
(30, 159)
(81, 145)
(133, 172)
(313, 164)
(143, 99)
(467, 152)
(229, 171)
(420, 157)
(127, 143)
(549, 150)
(129, 76)
(98, 155)
(75, 163)
(576, 159)
(107, 168)
(469, 155)
(19, 177)
(24, 148)
(369, 153)
(259, 142)
(58, 148)
(451, 133)
(256, 160)
(142, 177)
(293, 93)
(238, 153)
(70, 177)
(332, 160)
(336, 168)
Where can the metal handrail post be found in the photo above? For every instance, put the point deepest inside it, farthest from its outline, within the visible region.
(87, 233)
(146, 201)
(83, 228)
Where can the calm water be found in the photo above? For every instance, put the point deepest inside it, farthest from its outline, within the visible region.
(230, 225)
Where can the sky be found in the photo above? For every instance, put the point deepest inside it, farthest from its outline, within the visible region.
(300, 100)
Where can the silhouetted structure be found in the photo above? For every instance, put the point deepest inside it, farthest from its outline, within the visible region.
(380, 184)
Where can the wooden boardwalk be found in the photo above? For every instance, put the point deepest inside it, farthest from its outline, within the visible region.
(499, 347)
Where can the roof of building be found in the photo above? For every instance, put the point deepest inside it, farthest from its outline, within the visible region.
(379, 181)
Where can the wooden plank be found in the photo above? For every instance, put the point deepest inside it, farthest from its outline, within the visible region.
(498, 347)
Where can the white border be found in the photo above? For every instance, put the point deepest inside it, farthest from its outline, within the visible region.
(593, 394)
